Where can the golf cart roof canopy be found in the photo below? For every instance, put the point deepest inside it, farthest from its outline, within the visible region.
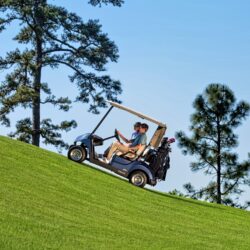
(117, 105)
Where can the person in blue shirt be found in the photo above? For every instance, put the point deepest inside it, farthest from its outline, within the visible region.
(136, 132)
(140, 140)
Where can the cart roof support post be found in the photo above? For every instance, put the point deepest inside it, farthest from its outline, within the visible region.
(99, 124)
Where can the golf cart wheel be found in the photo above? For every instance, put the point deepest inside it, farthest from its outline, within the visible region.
(77, 154)
(138, 178)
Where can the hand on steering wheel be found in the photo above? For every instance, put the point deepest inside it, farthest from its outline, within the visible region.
(117, 135)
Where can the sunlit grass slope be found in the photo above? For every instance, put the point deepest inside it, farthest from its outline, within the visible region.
(49, 202)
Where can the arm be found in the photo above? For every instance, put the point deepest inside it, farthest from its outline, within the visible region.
(122, 137)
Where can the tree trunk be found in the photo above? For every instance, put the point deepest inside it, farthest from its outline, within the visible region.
(219, 181)
(37, 74)
(219, 164)
(36, 108)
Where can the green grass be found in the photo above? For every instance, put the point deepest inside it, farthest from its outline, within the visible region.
(49, 202)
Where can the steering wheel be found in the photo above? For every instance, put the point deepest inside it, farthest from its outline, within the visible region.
(117, 136)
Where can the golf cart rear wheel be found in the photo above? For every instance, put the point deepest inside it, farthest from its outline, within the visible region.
(138, 178)
(77, 154)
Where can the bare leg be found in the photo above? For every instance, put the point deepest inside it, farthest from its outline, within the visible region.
(105, 154)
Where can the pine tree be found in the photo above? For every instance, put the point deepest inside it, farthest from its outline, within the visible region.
(52, 36)
(217, 115)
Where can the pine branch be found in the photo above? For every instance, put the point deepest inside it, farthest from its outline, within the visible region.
(62, 102)
(55, 38)
(58, 49)
(231, 187)
(99, 2)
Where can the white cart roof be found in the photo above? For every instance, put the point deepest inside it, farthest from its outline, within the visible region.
(117, 105)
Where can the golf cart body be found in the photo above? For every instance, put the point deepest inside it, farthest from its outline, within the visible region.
(147, 167)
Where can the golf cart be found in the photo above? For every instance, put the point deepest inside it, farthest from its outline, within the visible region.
(147, 165)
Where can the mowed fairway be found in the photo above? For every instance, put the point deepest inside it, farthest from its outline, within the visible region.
(49, 202)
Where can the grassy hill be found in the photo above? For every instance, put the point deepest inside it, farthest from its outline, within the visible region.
(49, 202)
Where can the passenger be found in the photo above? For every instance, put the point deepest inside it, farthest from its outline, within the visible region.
(140, 140)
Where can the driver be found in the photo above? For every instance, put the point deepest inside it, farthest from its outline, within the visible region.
(140, 140)
(136, 132)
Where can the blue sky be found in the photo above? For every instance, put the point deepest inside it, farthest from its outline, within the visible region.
(169, 52)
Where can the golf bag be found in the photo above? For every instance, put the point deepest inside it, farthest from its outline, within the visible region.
(159, 160)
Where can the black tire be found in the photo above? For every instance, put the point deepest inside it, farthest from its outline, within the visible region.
(138, 179)
(77, 154)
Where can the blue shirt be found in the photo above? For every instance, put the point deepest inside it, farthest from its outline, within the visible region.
(134, 135)
(140, 139)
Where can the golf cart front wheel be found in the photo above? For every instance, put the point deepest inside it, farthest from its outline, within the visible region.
(77, 153)
(138, 178)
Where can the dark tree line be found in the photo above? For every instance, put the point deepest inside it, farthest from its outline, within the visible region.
(53, 36)
(213, 139)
